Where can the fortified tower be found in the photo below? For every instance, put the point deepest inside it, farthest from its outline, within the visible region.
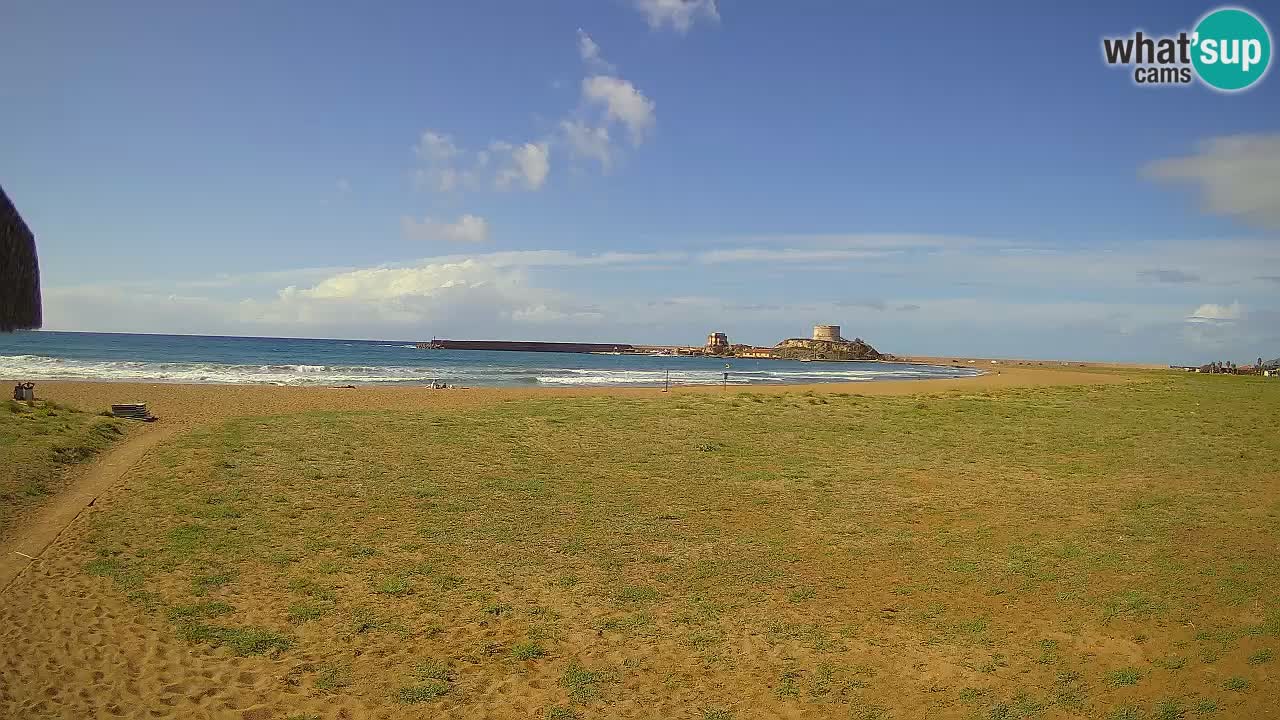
(717, 342)
(828, 333)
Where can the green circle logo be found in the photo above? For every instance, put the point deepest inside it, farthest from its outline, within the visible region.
(1232, 49)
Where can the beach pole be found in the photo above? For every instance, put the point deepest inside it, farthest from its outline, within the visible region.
(667, 386)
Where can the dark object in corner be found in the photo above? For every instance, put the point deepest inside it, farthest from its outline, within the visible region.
(19, 271)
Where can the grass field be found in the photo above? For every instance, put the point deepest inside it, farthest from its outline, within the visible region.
(39, 441)
(1102, 552)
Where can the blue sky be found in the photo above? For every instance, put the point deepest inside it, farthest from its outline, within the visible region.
(943, 180)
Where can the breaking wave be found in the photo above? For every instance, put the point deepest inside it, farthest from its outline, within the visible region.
(460, 370)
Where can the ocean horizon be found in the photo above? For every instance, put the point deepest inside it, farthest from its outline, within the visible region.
(58, 355)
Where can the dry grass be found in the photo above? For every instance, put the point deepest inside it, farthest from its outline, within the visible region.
(39, 441)
(1073, 551)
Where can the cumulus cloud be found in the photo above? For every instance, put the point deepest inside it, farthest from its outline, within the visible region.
(439, 155)
(528, 167)
(679, 14)
(1237, 175)
(590, 53)
(606, 100)
(588, 142)
(621, 102)
(435, 146)
(447, 167)
(382, 283)
(466, 229)
(927, 294)
(1214, 313)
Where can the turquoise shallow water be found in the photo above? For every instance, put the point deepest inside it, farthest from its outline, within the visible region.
(285, 361)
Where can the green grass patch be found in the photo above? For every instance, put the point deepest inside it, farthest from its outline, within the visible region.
(1124, 677)
(581, 684)
(301, 612)
(241, 641)
(199, 610)
(38, 442)
(332, 679)
(1236, 683)
(422, 692)
(528, 650)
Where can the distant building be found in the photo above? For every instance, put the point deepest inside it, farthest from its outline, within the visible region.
(826, 333)
(717, 342)
(756, 352)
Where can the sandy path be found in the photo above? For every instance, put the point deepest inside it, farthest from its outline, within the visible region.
(30, 538)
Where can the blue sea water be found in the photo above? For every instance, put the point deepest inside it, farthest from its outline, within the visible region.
(283, 361)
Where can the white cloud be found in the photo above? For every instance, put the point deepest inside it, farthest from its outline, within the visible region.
(450, 168)
(618, 101)
(440, 157)
(679, 14)
(904, 293)
(1238, 176)
(589, 51)
(436, 147)
(466, 229)
(1214, 313)
(529, 166)
(447, 167)
(588, 142)
(382, 283)
(622, 102)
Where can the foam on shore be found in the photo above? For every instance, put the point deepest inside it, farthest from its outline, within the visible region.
(39, 367)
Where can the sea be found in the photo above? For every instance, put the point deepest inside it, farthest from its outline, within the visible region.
(39, 355)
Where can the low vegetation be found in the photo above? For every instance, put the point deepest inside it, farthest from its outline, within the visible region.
(1103, 551)
(39, 442)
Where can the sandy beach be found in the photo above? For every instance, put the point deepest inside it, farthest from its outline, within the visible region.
(192, 404)
(260, 553)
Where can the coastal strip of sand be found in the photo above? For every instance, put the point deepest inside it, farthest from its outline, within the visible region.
(196, 404)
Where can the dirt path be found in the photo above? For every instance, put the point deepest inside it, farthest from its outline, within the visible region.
(37, 532)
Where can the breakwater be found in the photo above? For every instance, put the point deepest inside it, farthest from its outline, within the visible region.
(526, 346)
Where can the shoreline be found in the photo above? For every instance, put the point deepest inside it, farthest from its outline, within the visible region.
(192, 404)
(744, 376)
(426, 384)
